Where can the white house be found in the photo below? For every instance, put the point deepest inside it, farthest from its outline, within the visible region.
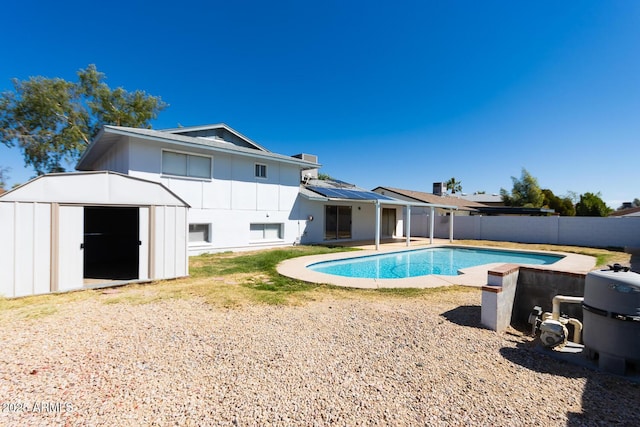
(241, 195)
(149, 198)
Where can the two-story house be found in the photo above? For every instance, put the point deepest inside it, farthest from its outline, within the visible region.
(241, 195)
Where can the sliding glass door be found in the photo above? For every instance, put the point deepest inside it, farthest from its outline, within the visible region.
(337, 223)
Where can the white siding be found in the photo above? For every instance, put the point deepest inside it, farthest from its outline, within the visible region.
(116, 159)
(230, 201)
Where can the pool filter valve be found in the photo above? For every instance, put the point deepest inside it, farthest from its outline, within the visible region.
(553, 333)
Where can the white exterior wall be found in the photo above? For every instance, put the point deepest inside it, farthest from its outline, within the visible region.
(362, 220)
(116, 159)
(25, 256)
(232, 200)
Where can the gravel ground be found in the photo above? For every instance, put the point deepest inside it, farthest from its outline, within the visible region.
(335, 361)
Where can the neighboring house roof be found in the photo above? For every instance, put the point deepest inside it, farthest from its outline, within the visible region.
(626, 212)
(420, 196)
(95, 187)
(111, 135)
(491, 199)
(513, 210)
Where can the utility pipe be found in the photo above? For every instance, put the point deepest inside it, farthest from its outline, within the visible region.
(555, 313)
(577, 329)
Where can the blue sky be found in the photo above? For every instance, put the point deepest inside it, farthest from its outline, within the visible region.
(399, 94)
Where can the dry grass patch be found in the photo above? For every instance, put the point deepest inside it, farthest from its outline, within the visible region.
(237, 279)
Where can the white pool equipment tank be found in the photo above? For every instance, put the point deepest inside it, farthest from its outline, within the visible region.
(611, 318)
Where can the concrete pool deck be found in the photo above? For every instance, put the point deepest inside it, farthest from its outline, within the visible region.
(474, 276)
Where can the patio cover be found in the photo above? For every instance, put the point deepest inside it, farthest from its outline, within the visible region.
(379, 202)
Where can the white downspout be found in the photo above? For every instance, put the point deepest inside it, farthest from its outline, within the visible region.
(408, 225)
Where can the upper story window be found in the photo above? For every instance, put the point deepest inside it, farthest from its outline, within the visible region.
(261, 170)
(182, 164)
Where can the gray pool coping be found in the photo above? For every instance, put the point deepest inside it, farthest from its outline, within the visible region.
(296, 268)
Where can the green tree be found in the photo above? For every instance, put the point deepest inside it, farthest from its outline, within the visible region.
(591, 204)
(562, 205)
(525, 193)
(324, 176)
(636, 203)
(453, 185)
(52, 120)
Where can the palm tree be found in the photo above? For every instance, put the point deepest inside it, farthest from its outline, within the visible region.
(454, 185)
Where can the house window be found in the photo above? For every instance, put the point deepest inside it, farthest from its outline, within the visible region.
(261, 171)
(337, 223)
(199, 233)
(265, 232)
(181, 164)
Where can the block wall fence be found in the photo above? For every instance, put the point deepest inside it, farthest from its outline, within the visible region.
(555, 230)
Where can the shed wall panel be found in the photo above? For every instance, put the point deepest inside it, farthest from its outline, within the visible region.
(169, 242)
(7, 254)
(24, 249)
(158, 252)
(42, 248)
(182, 262)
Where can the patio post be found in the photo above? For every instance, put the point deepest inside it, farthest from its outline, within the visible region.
(451, 226)
(408, 225)
(377, 225)
(431, 223)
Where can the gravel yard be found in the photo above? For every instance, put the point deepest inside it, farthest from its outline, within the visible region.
(352, 358)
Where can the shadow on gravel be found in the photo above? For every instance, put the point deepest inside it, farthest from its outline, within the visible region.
(635, 261)
(465, 315)
(606, 399)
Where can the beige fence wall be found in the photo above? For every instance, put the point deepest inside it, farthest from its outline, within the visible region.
(557, 230)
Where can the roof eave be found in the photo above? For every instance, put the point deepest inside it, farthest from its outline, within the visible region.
(215, 126)
(258, 154)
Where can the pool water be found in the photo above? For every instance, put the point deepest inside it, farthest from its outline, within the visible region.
(423, 262)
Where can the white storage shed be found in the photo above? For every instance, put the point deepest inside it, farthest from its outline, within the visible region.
(67, 231)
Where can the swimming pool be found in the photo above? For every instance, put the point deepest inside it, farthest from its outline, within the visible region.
(423, 262)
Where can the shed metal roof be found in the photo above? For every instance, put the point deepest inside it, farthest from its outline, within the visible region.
(94, 188)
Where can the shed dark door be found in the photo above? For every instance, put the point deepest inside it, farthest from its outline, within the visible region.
(111, 242)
